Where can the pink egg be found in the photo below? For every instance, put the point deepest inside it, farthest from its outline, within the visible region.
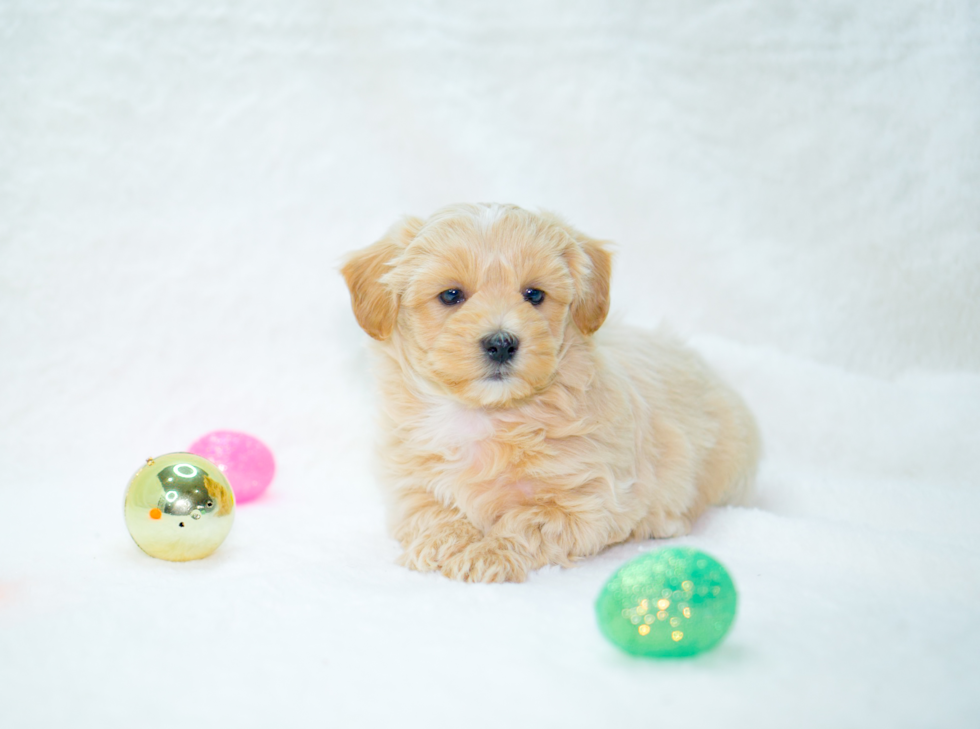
(246, 461)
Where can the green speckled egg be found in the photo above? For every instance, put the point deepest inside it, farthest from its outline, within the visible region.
(669, 603)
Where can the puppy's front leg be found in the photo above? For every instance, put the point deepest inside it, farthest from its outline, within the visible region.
(529, 537)
(429, 531)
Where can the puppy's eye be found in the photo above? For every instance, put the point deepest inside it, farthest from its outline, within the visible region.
(534, 296)
(449, 297)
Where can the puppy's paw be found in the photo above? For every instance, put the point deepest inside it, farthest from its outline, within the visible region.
(434, 545)
(672, 526)
(661, 526)
(492, 559)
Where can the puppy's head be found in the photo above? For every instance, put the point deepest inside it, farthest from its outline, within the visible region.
(481, 299)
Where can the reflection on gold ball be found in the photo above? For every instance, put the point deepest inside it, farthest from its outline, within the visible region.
(179, 507)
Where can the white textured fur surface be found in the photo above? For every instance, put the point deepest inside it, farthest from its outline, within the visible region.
(793, 185)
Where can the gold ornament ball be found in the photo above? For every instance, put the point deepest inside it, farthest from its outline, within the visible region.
(179, 507)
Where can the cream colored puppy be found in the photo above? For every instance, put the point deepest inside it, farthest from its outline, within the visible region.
(514, 438)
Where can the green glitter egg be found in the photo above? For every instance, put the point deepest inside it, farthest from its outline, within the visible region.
(670, 603)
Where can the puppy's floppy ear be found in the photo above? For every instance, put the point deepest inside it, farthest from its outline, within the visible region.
(591, 306)
(590, 264)
(375, 304)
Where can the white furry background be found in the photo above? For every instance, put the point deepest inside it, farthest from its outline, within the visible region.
(793, 185)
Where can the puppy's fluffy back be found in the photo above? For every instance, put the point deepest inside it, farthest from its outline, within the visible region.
(678, 391)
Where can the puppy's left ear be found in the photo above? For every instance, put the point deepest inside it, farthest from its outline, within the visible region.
(375, 304)
(591, 307)
(590, 264)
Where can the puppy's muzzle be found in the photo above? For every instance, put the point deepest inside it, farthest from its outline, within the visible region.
(500, 347)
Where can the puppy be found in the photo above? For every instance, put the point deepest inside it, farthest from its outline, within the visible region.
(514, 437)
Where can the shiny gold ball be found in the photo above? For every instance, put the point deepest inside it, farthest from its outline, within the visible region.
(179, 507)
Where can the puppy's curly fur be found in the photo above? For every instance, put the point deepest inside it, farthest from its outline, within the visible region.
(498, 464)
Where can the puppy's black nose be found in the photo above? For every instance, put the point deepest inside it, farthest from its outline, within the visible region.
(501, 346)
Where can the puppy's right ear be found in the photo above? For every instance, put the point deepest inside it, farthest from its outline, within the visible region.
(375, 304)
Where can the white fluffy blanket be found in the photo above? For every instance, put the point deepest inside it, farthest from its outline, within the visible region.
(791, 185)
